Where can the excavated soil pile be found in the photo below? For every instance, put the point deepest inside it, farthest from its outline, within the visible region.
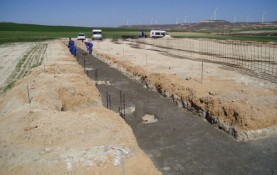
(61, 126)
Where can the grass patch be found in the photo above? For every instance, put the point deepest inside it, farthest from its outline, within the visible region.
(7, 87)
(32, 58)
(11, 32)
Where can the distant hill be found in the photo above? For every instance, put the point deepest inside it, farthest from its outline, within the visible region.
(206, 25)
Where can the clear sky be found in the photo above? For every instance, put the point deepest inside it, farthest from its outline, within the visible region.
(114, 13)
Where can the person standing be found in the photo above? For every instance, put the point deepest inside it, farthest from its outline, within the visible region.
(89, 46)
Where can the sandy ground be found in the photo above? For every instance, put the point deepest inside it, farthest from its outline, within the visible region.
(64, 129)
(236, 99)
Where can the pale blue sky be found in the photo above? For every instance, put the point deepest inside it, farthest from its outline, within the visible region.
(114, 13)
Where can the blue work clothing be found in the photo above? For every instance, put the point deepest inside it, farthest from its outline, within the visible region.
(70, 43)
(89, 46)
(74, 51)
(71, 46)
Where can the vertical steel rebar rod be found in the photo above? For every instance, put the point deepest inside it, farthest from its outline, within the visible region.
(267, 62)
(124, 114)
(29, 99)
(273, 61)
(107, 99)
(120, 103)
(202, 71)
(110, 101)
(119, 111)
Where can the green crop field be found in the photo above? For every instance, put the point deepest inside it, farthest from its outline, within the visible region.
(12, 32)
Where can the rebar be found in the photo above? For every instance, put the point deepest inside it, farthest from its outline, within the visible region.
(256, 57)
(108, 100)
(202, 71)
(121, 108)
(29, 99)
(124, 106)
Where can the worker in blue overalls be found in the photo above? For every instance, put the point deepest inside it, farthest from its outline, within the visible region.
(89, 46)
(71, 45)
(74, 51)
(72, 48)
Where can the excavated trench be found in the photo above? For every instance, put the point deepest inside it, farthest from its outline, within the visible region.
(177, 141)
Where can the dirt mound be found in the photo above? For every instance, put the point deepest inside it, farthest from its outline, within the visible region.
(61, 127)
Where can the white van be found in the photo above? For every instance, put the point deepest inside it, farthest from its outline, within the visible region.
(158, 34)
(96, 34)
(81, 36)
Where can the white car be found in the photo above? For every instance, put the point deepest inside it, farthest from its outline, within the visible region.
(96, 34)
(159, 34)
(81, 36)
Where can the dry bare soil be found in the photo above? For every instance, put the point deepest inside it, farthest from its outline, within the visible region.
(52, 121)
(242, 105)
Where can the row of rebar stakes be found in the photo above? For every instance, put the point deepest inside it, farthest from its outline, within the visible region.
(121, 107)
(86, 71)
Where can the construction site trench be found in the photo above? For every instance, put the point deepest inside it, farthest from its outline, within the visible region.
(177, 141)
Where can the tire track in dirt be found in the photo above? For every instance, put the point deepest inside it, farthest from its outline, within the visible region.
(32, 58)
